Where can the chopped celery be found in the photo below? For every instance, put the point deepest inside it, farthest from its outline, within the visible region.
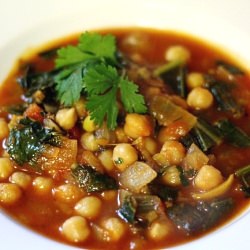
(166, 112)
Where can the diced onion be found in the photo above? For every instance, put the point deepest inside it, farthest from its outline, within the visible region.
(215, 192)
(137, 176)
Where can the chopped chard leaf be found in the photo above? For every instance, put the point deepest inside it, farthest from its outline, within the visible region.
(233, 134)
(91, 180)
(204, 135)
(27, 141)
(139, 208)
(128, 206)
(183, 176)
(222, 93)
(230, 68)
(244, 175)
(174, 74)
(164, 192)
(199, 217)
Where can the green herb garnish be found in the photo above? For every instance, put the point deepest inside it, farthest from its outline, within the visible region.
(91, 68)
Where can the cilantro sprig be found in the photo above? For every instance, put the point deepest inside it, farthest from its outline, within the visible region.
(90, 68)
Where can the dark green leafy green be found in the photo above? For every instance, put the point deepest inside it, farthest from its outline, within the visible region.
(204, 135)
(127, 208)
(230, 68)
(140, 209)
(174, 74)
(31, 82)
(233, 134)
(91, 180)
(166, 193)
(244, 175)
(222, 93)
(183, 176)
(28, 140)
(202, 216)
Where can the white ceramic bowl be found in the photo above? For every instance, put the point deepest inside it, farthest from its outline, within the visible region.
(37, 22)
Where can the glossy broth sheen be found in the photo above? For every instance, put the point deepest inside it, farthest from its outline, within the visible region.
(44, 214)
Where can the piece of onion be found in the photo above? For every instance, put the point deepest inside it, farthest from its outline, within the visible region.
(136, 176)
(194, 158)
(215, 192)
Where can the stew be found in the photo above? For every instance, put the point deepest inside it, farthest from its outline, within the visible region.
(125, 139)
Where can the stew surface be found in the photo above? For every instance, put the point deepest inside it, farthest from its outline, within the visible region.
(125, 139)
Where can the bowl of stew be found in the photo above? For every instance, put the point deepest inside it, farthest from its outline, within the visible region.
(125, 131)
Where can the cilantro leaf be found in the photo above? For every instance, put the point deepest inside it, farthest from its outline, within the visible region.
(90, 67)
(91, 45)
(101, 106)
(70, 55)
(98, 45)
(100, 78)
(101, 82)
(135, 102)
(69, 88)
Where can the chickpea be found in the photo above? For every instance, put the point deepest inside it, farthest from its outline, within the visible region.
(76, 229)
(115, 227)
(171, 176)
(151, 145)
(194, 80)
(6, 168)
(177, 53)
(200, 98)
(66, 118)
(89, 142)
(9, 193)
(208, 177)
(158, 231)
(120, 135)
(137, 125)
(23, 180)
(80, 107)
(124, 155)
(88, 124)
(106, 157)
(67, 193)
(42, 185)
(4, 129)
(89, 207)
(173, 152)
